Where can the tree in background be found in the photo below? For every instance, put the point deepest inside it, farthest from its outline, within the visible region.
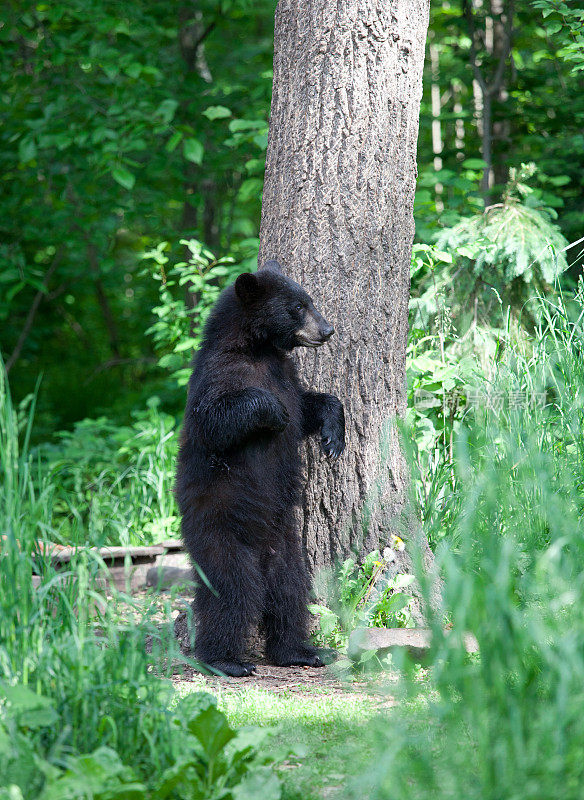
(337, 213)
(502, 87)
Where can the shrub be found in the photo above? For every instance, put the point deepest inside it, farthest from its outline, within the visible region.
(113, 483)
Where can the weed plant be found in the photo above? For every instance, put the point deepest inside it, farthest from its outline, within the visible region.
(361, 595)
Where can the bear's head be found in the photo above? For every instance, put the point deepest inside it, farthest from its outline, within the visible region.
(277, 310)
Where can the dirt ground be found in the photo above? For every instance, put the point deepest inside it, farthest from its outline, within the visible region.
(299, 681)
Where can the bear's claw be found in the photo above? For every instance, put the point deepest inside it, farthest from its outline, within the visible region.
(235, 669)
(332, 440)
(332, 447)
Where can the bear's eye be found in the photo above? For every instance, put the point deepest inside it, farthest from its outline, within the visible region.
(298, 307)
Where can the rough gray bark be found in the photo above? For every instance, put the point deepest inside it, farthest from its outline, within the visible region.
(337, 214)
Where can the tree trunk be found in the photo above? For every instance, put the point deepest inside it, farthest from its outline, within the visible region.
(497, 41)
(337, 214)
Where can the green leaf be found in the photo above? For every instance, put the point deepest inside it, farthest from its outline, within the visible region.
(261, 140)
(559, 180)
(250, 189)
(474, 163)
(167, 109)
(134, 69)
(100, 775)
(177, 775)
(26, 150)
(443, 256)
(395, 603)
(367, 655)
(11, 792)
(173, 141)
(316, 609)
(260, 783)
(193, 150)
(124, 177)
(255, 165)
(553, 27)
(191, 705)
(186, 344)
(30, 710)
(249, 739)
(212, 730)
(246, 125)
(216, 112)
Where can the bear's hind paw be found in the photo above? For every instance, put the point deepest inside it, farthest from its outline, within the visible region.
(235, 669)
(298, 659)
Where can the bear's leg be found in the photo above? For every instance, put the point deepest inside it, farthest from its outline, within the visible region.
(224, 617)
(285, 611)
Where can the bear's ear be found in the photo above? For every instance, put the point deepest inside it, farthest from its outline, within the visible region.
(273, 265)
(247, 287)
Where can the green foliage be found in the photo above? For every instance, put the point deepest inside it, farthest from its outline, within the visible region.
(565, 19)
(126, 127)
(438, 380)
(86, 711)
(100, 686)
(444, 196)
(507, 722)
(538, 110)
(365, 595)
(179, 323)
(488, 262)
(209, 760)
(513, 239)
(121, 127)
(113, 484)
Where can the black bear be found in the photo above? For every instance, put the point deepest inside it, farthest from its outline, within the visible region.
(239, 471)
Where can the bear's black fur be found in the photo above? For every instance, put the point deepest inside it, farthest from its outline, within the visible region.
(239, 472)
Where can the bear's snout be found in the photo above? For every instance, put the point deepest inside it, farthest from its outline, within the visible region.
(327, 331)
(315, 331)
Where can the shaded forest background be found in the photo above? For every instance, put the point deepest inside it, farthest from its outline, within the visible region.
(125, 127)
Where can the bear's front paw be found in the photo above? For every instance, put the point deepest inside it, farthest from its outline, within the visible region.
(332, 440)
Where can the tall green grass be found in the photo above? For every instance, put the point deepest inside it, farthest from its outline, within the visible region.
(62, 639)
(87, 710)
(508, 722)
